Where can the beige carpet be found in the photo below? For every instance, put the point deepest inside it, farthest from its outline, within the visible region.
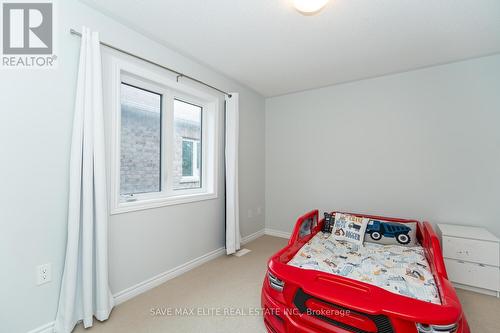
(235, 283)
(482, 312)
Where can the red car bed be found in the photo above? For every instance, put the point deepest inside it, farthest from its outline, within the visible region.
(312, 301)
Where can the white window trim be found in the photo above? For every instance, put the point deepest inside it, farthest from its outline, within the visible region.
(196, 171)
(124, 71)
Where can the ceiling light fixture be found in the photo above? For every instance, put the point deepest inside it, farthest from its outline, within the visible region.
(309, 7)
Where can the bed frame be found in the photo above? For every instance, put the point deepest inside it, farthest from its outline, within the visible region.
(308, 301)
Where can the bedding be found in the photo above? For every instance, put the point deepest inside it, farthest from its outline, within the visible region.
(398, 269)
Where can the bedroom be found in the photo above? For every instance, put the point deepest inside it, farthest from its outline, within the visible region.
(385, 108)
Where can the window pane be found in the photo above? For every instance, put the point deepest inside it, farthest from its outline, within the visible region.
(187, 143)
(187, 158)
(140, 141)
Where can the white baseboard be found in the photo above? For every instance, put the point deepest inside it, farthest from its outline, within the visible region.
(251, 237)
(155, 281)
(277, 233)
(266, 231)
(47, 328)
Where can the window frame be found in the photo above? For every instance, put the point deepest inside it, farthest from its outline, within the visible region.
(158, 82)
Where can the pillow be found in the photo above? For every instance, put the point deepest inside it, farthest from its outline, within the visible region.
(349, 228)
(329, 220)
(391, 233)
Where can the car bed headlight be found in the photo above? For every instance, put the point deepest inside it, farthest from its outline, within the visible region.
(424, 328)
(275, 283)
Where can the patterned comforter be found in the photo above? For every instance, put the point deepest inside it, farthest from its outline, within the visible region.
(401, 270)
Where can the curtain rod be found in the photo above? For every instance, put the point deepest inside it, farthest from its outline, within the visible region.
(179, 74)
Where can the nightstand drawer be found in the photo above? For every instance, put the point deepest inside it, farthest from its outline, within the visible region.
(482, 252)
(486, 277)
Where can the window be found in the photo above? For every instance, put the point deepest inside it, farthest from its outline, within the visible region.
(164, 142)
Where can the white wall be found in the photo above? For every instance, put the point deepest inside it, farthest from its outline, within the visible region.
(36, 112)
(423, 144)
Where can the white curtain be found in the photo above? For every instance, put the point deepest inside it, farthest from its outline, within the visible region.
(84, 289)
(233, 236)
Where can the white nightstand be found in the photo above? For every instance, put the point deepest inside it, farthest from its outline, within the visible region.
(472, 258)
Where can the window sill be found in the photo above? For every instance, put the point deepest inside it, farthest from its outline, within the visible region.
(143, 204)
(188, 179)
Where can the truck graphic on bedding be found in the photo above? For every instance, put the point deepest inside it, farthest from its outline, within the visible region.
(377, 229)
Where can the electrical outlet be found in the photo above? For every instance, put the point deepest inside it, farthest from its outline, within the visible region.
(43, 274)
(259, 210)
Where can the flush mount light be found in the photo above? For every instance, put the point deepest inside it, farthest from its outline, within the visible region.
(309, 6)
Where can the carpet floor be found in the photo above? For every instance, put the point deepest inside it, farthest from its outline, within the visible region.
(223, 296)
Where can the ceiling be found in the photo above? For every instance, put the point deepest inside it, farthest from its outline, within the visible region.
(270, 47)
